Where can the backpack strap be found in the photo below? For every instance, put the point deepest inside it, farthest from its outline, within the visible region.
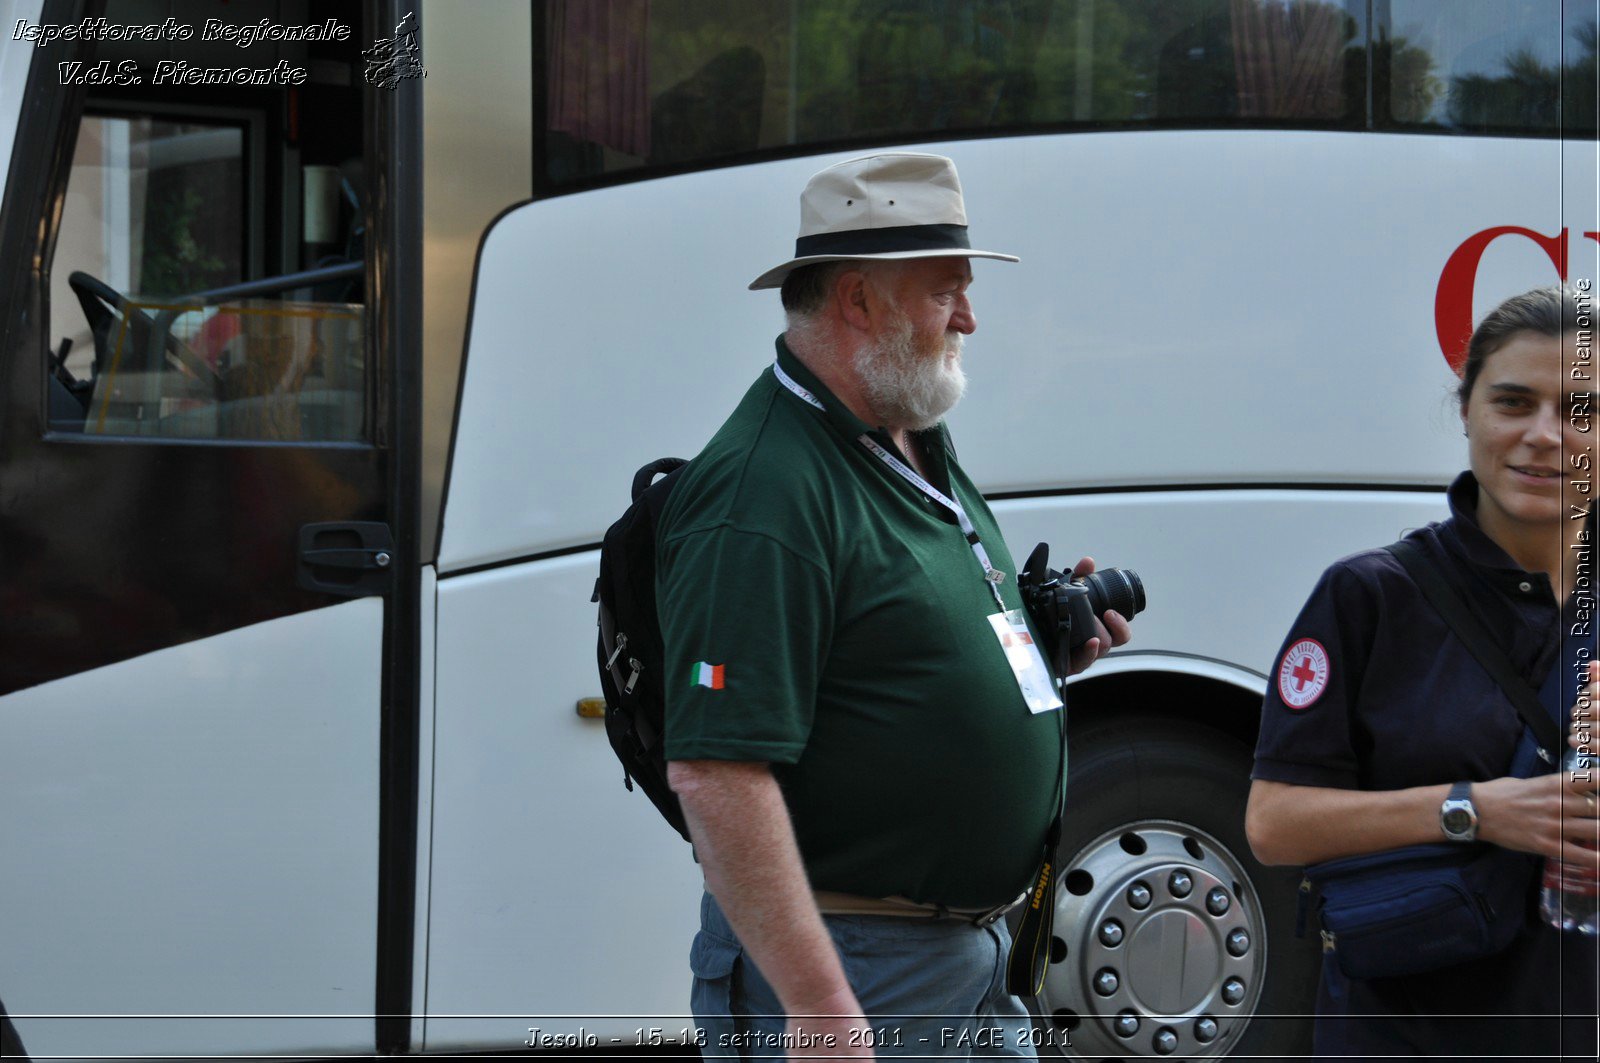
(1437, 590)
(661, 466)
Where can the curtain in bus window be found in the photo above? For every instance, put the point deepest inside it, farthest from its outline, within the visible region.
(599, 75)
(1289, 58)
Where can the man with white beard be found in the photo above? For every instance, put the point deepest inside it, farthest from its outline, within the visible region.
(868, 751)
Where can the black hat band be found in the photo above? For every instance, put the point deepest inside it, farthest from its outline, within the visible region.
(858, 242)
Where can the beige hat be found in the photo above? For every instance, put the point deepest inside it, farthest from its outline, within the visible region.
(895, 205)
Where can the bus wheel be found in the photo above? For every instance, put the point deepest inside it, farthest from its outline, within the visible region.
(1169, 937)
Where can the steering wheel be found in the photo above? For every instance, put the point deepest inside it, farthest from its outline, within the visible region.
(106, 309)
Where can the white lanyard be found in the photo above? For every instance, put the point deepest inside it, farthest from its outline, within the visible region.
(991, 575)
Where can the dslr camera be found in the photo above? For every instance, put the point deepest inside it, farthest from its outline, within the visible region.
(1064, 609)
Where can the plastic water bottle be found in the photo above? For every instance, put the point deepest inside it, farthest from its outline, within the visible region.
(1570, 899)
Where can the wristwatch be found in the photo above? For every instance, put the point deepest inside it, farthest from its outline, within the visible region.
(1457, 818)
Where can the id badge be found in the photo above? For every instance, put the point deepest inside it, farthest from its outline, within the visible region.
(1022, 653)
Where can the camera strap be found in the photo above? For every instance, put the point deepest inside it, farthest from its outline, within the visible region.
(1034, 935)
(1031, 941)
(991, 575)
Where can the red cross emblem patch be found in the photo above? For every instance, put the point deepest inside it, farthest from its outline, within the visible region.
(1303, 674)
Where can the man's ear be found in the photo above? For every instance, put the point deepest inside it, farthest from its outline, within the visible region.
(852, 296)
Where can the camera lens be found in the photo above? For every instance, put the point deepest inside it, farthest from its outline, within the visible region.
(1115, 588)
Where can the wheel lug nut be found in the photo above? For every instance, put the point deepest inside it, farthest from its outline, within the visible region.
(1205, 1029)
(1127, 1024)
(1165, 1041)
(1233, 991)
(1180, 884)
(1238, 942)
(1110, 933)
(1139, 896)
(1218, 902)
(1106, 982)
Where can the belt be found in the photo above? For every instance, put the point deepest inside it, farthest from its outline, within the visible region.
(830, 902)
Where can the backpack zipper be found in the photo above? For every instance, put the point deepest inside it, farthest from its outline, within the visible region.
(622, 644)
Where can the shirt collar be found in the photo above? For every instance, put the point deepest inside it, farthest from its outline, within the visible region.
(1468, 538)
(1464, 536)
(839, 416)
(848, 424)
(851, 427)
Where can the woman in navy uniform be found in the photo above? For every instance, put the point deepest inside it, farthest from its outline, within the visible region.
(1376, 711)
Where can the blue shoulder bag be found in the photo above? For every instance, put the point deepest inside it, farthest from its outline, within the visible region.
(1423, 907)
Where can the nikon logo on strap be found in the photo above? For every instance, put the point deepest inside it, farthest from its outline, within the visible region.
(1040, 889)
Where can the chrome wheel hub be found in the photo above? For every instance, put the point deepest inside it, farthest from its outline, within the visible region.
(1159, 945)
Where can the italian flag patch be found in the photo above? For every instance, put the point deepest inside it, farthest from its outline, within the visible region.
(706, 675)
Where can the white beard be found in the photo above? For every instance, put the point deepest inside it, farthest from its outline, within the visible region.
(908, 387)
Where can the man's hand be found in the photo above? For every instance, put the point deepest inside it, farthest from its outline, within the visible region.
(1114, 632)
(839, 1016)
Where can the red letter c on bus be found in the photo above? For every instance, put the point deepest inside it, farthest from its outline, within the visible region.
(1452, 303)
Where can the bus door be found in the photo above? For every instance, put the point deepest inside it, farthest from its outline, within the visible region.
(205, 572)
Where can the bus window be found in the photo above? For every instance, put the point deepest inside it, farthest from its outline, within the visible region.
(634, 86)
(1489, 66)
(207, 278)
(1201, 63)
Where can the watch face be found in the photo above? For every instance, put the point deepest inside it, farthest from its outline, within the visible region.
(1457, 821)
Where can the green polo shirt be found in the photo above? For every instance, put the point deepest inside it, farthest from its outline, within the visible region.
(822, 614)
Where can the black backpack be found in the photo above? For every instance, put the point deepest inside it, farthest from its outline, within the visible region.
(630, 649)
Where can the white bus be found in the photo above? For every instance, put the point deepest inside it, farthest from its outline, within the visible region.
(331, 335)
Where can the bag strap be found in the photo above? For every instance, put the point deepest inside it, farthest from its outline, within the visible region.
(643, 478)
(1471, 632)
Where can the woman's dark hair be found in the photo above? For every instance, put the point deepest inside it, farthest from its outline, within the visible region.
(1551, 311)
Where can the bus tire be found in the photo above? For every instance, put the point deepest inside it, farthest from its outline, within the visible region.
(1169, 937)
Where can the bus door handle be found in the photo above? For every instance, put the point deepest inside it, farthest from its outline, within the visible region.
(352, 559)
